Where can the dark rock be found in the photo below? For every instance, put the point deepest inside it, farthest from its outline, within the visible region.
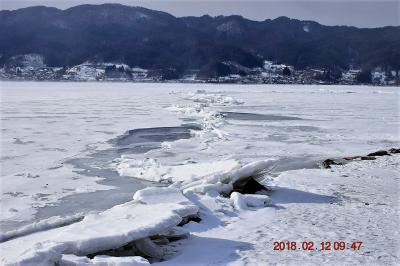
(160, 240)
(187, 219)
(352, 158)
(379, 153)
(248, 186)
(171, 235)
(367, 158)
(127, 250)
(328, 162)
(394, 150)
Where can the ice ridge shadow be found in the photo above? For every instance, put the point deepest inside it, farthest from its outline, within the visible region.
(282, 195)
(206, 214)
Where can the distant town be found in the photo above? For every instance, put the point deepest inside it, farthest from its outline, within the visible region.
(32, 67)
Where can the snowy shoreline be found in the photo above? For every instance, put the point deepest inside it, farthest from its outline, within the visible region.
(155, 211)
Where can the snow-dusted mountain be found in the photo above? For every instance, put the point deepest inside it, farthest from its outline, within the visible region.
(155, 40)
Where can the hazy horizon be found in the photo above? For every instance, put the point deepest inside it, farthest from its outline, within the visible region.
(362, 14)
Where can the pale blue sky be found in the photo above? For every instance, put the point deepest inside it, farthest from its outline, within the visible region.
(358, 13)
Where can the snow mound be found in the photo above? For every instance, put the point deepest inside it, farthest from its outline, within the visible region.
(210, 98)
(248, 201)
(130, 221)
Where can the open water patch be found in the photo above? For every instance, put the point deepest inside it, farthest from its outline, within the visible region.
(142, 140)
(257, 117)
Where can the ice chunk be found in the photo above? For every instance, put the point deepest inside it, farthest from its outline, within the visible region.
(155, 195)
(148, 248)
(152, 170)
(107, 230)
(52, 222)
(223, 182)
(219, 176)
(244, 202)
(72, 260)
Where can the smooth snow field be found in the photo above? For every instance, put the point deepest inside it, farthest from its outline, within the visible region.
(91, 167)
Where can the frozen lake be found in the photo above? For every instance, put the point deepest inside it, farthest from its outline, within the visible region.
(66, 148)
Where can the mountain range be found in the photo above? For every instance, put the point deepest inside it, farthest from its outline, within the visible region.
(151, 39)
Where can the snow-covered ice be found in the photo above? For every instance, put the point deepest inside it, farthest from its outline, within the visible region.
(46, 124)
(76, 158)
